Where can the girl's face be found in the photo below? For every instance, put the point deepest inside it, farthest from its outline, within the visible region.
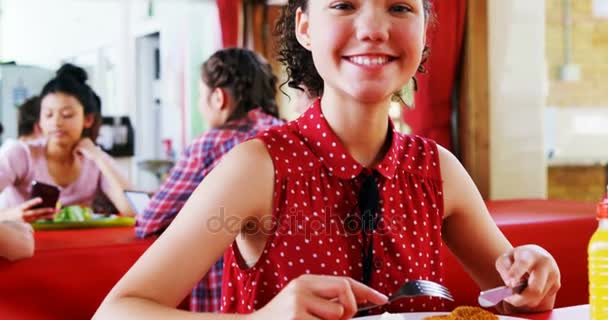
(62, 118)
(366, 49)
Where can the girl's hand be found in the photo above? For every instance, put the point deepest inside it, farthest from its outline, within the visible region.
(87, 149)
(25, 213)
(319, 297)
(543, 275)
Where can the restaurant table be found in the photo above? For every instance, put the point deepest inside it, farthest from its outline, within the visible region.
(567, 313)
(580, 312)
(70, 274)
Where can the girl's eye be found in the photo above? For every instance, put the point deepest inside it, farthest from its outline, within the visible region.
(342, 6)
(400, 8)
(67, 115)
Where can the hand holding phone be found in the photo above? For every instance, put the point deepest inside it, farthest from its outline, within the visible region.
(24, 212)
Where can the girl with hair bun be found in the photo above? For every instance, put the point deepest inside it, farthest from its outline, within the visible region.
(66, 156)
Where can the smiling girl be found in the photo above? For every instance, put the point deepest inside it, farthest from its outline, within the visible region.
(337, 207)
(70, 116)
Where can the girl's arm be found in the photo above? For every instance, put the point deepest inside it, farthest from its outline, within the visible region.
(115, 182)
(16, 240)
(468, 228)
(14, 160)
(483, 250)
(196, 239)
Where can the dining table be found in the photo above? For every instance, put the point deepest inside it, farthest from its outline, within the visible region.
(580, 312)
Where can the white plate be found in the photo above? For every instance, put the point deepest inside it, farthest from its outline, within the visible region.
(422, 315)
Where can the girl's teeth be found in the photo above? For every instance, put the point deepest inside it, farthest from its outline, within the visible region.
(369, 61)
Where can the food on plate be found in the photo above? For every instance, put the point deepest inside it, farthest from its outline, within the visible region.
(73, 214)
(466, 313)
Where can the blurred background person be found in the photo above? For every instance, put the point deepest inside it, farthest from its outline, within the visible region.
(27, 120)
(70, 116)
(237, 100)
(27, 123)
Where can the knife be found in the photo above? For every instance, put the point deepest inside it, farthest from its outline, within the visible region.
(492, 297)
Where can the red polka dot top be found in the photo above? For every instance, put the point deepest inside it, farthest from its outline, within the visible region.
(317, 221)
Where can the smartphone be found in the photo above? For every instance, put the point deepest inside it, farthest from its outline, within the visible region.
(48, 193)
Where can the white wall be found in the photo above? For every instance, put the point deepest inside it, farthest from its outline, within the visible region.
(189, 32)
(48, 33)
(518, 91)
(42, 32)
(577, 135)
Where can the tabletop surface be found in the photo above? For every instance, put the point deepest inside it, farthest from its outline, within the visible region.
(569, 313)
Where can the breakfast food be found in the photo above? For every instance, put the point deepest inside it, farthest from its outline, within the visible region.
(466, 313)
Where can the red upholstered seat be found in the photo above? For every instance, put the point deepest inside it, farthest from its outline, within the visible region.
(562, 227)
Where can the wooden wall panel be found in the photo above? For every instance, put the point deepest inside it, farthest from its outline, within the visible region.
(474, 108)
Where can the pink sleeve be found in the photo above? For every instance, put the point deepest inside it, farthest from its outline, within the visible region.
(14, 163)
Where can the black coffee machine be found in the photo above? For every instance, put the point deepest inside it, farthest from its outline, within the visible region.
(116, 136)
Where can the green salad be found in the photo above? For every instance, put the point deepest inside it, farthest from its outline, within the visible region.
(73, 214)
(77, 217)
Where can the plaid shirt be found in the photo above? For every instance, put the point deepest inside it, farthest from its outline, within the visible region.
(196, 162)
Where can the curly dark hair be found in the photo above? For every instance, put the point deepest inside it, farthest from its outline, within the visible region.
(71, 80)
(246, 77)
(298, 61)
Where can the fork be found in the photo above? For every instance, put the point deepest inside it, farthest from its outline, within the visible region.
(415, 288)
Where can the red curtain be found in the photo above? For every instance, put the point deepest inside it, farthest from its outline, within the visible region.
(433, 101)
(229, 21)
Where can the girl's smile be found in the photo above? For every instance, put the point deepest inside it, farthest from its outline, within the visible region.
(371, 60)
